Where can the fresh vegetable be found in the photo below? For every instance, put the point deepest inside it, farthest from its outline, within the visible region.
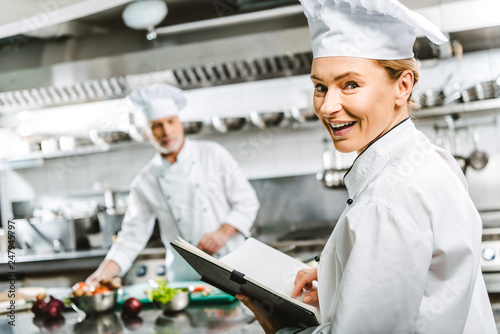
(58, 303)
(51, 311)
(131, 307)
(163, 293)
(38, 306)
(83, 289)
(99, 290)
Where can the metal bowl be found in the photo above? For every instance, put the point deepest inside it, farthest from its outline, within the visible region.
(302, 115)
(266, 119)
(224, 125)
(176, 304)
(96, 303)
(192, 127)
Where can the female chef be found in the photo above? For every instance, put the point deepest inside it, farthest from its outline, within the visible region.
(404, 255)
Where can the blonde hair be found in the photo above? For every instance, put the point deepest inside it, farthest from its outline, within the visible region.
(395, 68)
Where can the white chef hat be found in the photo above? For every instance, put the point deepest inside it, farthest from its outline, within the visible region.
(374, 29)
(156, 101)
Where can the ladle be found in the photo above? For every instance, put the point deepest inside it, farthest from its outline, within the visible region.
(478, 159)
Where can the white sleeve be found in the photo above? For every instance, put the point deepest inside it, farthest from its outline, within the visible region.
(240, 195)
(384, 275)
(137, 227)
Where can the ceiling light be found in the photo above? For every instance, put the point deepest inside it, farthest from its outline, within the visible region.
(145, 15)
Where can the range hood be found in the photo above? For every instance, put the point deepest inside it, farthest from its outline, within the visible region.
(282, 50)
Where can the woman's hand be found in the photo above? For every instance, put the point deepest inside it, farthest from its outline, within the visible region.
(269, 324)
(304, 281)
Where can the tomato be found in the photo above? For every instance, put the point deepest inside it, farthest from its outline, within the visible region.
(100, 289)
(80, 285)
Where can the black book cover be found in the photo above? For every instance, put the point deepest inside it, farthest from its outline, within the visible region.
(233, 282)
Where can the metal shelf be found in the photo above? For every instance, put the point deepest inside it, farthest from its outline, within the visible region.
(36, 159)
(459, 108)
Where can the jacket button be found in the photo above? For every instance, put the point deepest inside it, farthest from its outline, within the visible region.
(349, 201)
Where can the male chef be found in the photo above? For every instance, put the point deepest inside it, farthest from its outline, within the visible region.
(195, 189)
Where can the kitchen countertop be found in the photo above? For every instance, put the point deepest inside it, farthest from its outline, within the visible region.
(226, 318)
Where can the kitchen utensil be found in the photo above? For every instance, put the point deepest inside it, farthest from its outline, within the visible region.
(452, 93)
(454, 147)
(192, 127)
(477, 159)
(104, 138)
(486, 90)
(224, 125)
(176, 304)
(56, 244)
(469, 94)
(96, 303)
(481, 91)
(302, 115)
(431, 98)
(109, 225)
(333, 173)
(49, 145)
(266, 119)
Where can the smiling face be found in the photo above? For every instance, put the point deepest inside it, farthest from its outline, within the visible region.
(167, 134)
(357, 101)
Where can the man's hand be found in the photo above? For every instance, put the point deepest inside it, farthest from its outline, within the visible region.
(304, 281)
(212, 242)
(268, 324)
(107, 270)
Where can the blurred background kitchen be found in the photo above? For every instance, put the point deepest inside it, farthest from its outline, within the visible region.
(69, 147)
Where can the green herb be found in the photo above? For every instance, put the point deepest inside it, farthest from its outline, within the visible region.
(162, 294)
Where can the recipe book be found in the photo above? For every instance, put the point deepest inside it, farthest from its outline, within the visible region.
(259, 271)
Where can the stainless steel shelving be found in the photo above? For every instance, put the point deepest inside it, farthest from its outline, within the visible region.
(483, 106)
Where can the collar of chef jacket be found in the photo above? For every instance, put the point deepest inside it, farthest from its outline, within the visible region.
(183, 156)
(374, 156)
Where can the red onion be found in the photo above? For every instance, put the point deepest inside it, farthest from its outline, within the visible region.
(51, 311)
(131, 307)
(38, 306)
(57, 302)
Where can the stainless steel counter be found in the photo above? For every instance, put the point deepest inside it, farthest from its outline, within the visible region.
(232, 318)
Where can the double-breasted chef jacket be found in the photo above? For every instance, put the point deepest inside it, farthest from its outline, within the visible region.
(202, 190)
(404, 256)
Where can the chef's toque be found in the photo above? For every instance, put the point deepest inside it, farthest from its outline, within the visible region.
(374, 29)
(156, 101)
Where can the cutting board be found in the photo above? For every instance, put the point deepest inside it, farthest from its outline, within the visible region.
(215, 296)
(26, 293)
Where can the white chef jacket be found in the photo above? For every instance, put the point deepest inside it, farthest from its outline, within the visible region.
(404, 255)
(202, 190)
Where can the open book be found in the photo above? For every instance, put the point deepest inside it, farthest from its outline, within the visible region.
(259, 271)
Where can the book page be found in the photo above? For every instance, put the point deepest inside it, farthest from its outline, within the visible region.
(266, 265)
(262, 265)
